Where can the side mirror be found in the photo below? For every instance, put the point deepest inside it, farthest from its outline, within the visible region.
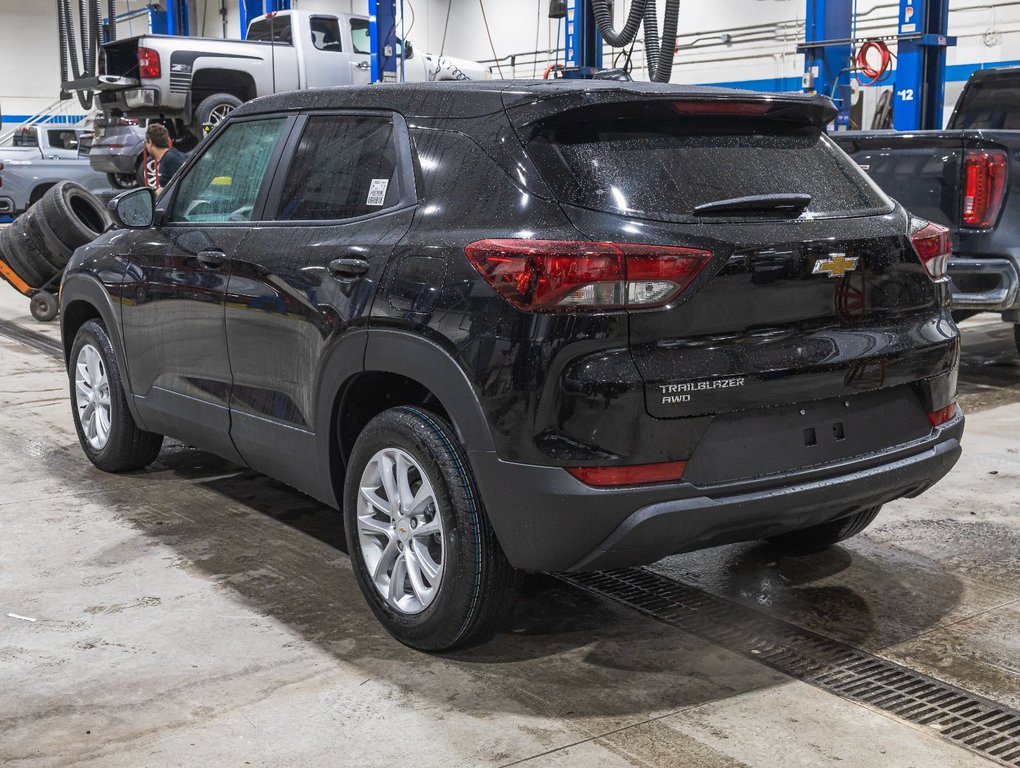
(135, 208)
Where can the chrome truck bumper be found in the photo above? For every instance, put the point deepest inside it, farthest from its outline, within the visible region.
(986, 285)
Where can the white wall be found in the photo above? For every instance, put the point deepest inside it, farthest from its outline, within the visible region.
(762, 52)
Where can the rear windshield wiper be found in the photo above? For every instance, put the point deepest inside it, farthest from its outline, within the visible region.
(780, 204)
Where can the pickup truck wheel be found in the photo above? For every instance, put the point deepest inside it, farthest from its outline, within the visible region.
(816, 538)
(213, 110)
(423, 551)
(106, 429)
(1016, 337)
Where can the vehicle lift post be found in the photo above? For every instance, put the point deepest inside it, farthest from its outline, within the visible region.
(920, 75)
(382, 32)
(171, 21)
(921, 64)
(582, 43)
(827, 53)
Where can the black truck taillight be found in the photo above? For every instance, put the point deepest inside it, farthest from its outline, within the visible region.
(148, 64)
(984, 185)
(567, 275)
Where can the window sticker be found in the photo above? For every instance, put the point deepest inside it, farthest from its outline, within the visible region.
(377, 192)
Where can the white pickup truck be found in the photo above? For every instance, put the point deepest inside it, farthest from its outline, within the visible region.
(41, 156)
(197, 81)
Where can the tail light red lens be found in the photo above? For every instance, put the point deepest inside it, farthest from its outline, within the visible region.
(934, 248)
(984, 181)
(742, 108)
(148, 64)
(636, 474)
(566, 275)
(942, 415)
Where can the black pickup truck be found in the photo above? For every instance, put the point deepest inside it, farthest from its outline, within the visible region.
(966, 177)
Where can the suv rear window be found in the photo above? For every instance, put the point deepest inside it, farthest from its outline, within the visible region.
(663, 167)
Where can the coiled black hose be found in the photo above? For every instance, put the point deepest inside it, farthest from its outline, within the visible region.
(658, 53)
(89, 14)
(604, 21)
(111, 16)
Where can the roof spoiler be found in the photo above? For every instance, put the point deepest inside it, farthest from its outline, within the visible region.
(811, 109)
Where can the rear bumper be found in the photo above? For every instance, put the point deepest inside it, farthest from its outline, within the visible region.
(109, 162)
(984, 284)
(546, 520)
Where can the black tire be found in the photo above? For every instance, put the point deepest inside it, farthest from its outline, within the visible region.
(21, 255)
(1016, 337)
(46, 244)
(74, 214)
(43, 306)
(478, 585)
(810, 540)
(127, 446)
(210, 110)
(122, 180)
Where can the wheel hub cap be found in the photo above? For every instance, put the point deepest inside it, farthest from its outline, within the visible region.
(400, 531)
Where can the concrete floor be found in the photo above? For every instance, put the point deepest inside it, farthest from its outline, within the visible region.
(198, 614)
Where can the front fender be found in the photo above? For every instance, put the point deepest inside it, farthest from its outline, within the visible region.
(81, 288)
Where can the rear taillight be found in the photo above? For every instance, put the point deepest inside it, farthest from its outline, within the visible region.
(984, 182)
(148, 64)
(942, 415)
(934, 248)
(565, 275)
(635, 474)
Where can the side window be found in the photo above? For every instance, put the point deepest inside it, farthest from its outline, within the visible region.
(224, 184)
(326, 33)
(359, 36)
(62, 139)
(345, 166)
(362, 41)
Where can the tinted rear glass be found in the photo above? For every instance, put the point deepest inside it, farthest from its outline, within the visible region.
(275, 29)
(663, 168)
(992, 103)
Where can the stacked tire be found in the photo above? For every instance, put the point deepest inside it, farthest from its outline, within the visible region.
(37, 246)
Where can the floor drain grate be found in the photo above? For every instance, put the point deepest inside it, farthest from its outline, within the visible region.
(958, 716)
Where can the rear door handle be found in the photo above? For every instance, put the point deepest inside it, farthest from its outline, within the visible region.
(348, 267)
(363, 65)
(211, 259)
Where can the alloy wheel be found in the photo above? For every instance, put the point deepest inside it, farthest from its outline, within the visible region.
(400, 531)
(219, 114)
(92, 396)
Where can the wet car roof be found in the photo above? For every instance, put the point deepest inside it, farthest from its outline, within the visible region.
(475, 98)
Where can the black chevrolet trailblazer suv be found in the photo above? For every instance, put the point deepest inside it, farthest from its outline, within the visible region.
(524, 326)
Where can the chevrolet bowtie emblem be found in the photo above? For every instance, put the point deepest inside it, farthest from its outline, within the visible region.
(836, 265)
